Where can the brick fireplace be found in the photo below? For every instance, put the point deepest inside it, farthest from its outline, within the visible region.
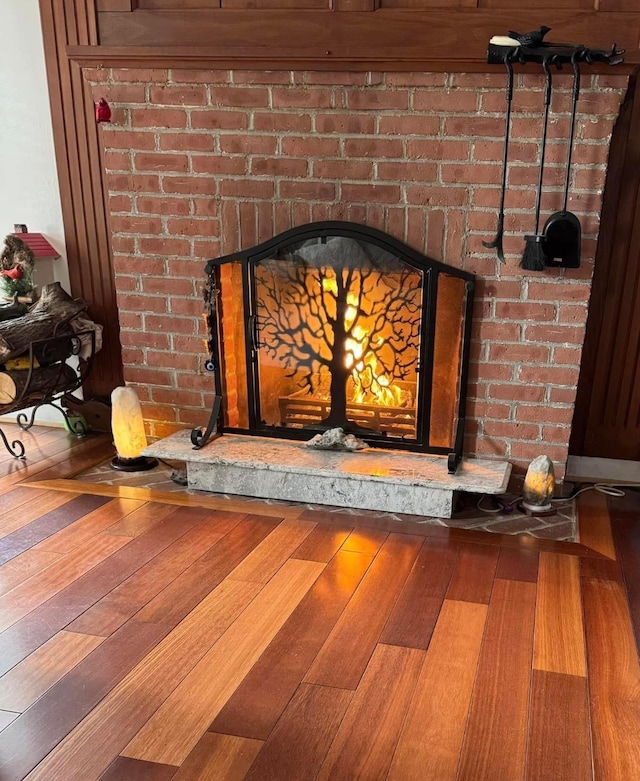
(204, 163)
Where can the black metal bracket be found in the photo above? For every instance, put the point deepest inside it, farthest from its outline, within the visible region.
(76, 426)
(199, 438)
(15, 448)
(557, 54)
(453, 462)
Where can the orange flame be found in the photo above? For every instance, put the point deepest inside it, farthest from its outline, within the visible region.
(371, 385)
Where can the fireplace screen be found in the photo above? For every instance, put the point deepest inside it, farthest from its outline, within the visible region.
(335, 324)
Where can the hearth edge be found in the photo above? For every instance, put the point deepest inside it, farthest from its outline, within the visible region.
(267, 468)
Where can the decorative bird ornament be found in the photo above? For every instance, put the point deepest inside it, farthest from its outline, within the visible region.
(532, 39)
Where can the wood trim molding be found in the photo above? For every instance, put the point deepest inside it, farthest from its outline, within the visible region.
(204, 58)
(80, 176)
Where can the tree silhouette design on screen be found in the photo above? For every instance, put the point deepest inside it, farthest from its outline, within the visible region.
(343, 318)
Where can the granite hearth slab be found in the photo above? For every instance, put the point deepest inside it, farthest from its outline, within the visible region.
(372, 479)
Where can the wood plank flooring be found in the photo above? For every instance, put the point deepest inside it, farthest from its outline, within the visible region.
(148, 637)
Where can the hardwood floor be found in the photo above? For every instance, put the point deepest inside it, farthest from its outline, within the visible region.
(150, 637)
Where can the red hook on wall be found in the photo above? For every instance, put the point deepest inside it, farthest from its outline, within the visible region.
(103, 111)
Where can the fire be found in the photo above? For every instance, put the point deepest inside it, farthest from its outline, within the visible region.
(371, 385)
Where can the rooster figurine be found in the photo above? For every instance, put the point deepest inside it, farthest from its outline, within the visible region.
(16, 268)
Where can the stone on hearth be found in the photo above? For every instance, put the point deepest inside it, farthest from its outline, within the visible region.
(336, 439)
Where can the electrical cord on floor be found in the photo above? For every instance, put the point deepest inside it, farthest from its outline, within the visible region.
(503, 507)
(602, 488)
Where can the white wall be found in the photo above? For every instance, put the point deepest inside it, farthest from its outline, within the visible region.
(28, 177)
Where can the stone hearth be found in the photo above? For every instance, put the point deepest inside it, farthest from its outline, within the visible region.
(388, 481)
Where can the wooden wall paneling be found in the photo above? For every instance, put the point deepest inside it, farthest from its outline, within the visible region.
(617, 5)
(547, 5)
(595, 429)
(265, 5)
(176, 5)
(80, 177)
(426, 36)
(116, 5)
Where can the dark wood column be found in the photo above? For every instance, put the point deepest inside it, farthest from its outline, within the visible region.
(82, 192)
(607, 415)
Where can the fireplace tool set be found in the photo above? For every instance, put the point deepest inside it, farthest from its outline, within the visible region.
(558, 243)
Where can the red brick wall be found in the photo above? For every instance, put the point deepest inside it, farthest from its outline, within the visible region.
(202, 163)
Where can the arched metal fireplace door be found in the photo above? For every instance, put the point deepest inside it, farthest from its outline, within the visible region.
(337, 324)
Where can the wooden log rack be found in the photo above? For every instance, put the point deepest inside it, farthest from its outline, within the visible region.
(49, 376)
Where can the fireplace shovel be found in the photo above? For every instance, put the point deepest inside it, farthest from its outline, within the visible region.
(496, 242)
(534, 258)
(562, 231)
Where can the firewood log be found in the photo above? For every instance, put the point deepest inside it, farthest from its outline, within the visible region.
(53, 309)
(46, 381)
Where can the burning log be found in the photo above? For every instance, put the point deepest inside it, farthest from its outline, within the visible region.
(53, 309)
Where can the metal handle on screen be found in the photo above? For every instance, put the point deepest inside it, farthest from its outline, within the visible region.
(253, 332)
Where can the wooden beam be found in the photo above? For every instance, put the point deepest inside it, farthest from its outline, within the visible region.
(384, 35)
(82, 191)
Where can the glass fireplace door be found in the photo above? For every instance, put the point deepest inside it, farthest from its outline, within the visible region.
(337, 325)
